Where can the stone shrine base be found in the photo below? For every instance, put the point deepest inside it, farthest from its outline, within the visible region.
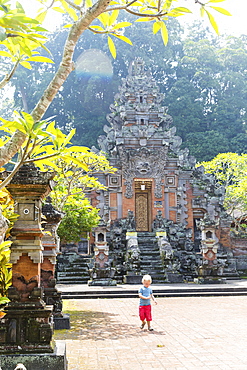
(102, 282)
(34, 361)
(62, 322)
(209, 280)
(132, 279)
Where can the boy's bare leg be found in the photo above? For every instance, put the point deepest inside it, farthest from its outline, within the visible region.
(149, 326)
(143, 324)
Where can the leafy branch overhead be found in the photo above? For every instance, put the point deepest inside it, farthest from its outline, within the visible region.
(21, 37)
(156, 11)
(44, 144)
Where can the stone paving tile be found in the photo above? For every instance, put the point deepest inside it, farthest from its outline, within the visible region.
(190, 333)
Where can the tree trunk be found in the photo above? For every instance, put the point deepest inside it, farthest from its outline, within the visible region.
(66, 66)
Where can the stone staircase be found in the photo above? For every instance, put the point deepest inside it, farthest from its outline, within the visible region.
(72, 268)
(150, 257)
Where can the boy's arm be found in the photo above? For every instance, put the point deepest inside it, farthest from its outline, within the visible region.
(143, 297)
(152, 296)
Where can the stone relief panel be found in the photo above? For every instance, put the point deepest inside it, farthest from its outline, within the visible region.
(145, 163)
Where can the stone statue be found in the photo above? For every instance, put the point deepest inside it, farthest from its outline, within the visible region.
(130, 221)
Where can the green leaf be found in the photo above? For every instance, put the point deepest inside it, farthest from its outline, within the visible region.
(39, 59)
(182, 10)
(99, 28)
(68, 158)
(5, 54)
(121, 25)
(104, 19)
(57, 9)
(4, 300)
(69, 137)
(89, 3)
(41, 16)
(26, 65)
(156, 26)
(220, 10)
(29, 119)
(144, 19)
(123, 38)
(212, 21)
(112, 47)
(78, 149)
(164, 33)
(113, 17)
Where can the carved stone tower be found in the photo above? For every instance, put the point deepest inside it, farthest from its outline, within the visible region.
(153, 172)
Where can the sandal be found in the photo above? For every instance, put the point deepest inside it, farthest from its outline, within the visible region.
(150, 329)
(142, 325)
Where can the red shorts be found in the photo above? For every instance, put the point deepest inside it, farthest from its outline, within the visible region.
(145, 313)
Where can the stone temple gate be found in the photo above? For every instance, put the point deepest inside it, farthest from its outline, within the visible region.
(161, 214)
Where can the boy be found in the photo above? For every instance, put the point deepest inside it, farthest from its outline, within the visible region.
(145, 294)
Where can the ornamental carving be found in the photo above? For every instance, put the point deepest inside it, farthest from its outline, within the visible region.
(144, 163)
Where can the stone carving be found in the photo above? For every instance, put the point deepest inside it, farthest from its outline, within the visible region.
(24, 290)
(159, 223)
(132, 257)
(130, 221)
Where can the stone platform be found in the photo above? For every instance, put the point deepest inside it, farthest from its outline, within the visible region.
(83, 291)
(190, 333)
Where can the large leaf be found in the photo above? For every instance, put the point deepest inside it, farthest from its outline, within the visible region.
(121, 25)
(221, 10)
(112, 47)
(212, 21)
(164, 33)
(39, 59)
(156, 26)
(123, 38)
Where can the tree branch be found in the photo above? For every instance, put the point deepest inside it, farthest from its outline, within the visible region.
(8, 77)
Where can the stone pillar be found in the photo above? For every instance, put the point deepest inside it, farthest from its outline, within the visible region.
(211, 269)
(101, 271)
(51, 245)
(27, 327)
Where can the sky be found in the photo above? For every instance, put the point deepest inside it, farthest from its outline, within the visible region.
(235, 25)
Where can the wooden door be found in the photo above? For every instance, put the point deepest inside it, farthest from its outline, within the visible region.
(142, 211)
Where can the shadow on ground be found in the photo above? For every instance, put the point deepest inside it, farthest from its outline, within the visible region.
(98, 326)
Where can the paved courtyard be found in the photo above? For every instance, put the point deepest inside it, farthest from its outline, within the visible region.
(189, 333)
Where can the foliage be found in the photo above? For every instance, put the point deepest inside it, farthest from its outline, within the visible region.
(79, 218)
(83, 14)
(43, 143)
(230, 170)
(7, 207)
(20, 37)
(5, 271)
(68, 196)
(72, 181)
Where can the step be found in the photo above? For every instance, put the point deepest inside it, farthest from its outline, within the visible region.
(182, 292)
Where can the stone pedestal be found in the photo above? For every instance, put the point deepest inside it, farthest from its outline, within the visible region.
(27, 326)
(172, 277)
(55, 360)
(132, 279)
